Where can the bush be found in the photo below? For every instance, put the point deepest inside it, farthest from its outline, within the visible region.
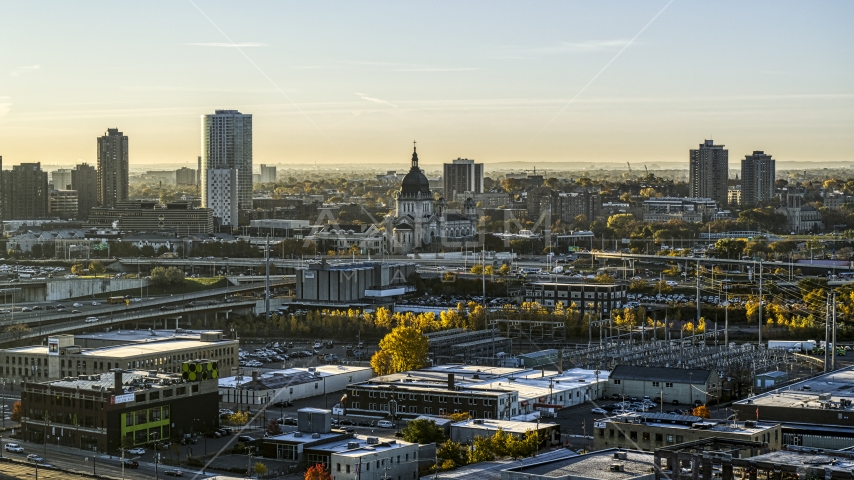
(167, 276)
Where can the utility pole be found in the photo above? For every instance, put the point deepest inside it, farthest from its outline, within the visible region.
(833, 358)
(760, 304)
(826, 332)
(267, 280)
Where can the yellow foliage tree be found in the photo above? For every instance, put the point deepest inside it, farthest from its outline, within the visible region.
(407, 347)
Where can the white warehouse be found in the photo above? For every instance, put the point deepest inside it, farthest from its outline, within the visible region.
(289, 384)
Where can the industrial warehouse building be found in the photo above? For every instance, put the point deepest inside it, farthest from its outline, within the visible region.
(353, 282)
(682, 385)
(289, 384)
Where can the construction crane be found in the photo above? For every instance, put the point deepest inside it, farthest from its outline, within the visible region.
(647, 170)
(630, 168)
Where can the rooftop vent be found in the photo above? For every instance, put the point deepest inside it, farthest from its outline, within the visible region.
(478, 421)
(620, 456)
(617, 467)
(352, 445)
(373, 440)
(315, 435)
(297, 434)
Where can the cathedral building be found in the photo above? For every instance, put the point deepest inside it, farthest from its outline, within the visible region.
(420, 222)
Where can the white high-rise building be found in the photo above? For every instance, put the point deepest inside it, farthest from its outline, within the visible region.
(227, 144)
(61, 179)
(221, 190)
(268, 173)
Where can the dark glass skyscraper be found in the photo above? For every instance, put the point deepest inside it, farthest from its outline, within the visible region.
(709, 171)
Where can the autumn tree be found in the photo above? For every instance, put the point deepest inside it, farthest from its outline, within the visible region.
(407, 347)
(17, 412)
(318, 472)
(451, 451)
(260, 469)
(476, 269)
(460, 417)
(273, 427)
(701, 412)
(97, 268)
(18, 330)
(77, 269)
(382, 362)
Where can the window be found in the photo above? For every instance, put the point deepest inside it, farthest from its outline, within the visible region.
(645, 436)
(616, 381)
(659, 437)
(337, 467)
(669, 384)
(655, 384)
(346, 468)
(443, 411)
(372, 394)
(472, 401)
(458, 400)
(633, 435)
(611, 432)
(670, 439)
(128, 420)
(679, 439)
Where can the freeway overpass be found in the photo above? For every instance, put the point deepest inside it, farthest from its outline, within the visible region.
(147, 310)
(719, 261)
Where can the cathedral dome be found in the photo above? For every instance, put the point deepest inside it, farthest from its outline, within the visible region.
(415, 182)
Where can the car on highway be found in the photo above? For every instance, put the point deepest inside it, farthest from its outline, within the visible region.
(35, 458)
(137, 451)
(14, 448)
(26, 309)
(174, 472)
(95, 304)
(131, 463)
(600, 411)
(91, 319)
(385, 424)
(77, 304)
(75, 311)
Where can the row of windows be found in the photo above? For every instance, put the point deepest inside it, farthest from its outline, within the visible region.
(383, 407)
(427, 398)
(380, 462)
(147, 415)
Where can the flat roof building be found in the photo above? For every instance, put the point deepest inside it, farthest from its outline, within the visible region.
(464, 432)
(670, 385)
(62, 358)
(289, 384)
(648, 431)
(589, 298)
(98, 412)
(611, 464)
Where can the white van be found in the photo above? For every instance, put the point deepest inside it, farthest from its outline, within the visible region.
(91, 319)
(385, 424)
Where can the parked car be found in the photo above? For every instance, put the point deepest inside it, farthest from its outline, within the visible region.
(174, 472)
(14, 448)
(35, 458)
(600, 411)
(137, 451)
(245, 439)
(131, 463)
(283, 403)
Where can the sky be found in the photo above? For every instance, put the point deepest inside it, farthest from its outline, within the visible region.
(357, 82)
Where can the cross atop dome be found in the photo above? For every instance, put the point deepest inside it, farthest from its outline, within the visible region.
(414, 156)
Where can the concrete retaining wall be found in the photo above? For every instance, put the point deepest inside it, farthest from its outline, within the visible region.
(61, 289)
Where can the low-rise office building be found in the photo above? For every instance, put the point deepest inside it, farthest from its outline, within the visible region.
(150, 216)
(588, 298)
(818, 412)
(62, 358)
(669, 385)
(648, 431)
(352, 282)
(118, 409)
(410, 398)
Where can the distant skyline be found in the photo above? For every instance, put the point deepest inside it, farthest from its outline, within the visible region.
(357, 82)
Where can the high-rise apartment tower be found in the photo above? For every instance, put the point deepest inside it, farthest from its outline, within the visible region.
(709, 171)
(84, 179)
(462, 175)
(112, 167)
(757, 178)
(227, 144)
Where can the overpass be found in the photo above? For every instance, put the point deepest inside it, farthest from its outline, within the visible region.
(122, 318)
(711, 260)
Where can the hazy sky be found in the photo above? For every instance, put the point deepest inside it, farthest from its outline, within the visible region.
(358, 81)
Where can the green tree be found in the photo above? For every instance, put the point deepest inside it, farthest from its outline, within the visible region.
(167, 276)
(450, 450)
(783, 247)
(732, 248)
(260, 469)
(423, 431)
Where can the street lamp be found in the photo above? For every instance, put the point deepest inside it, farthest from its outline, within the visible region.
(392, 406)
